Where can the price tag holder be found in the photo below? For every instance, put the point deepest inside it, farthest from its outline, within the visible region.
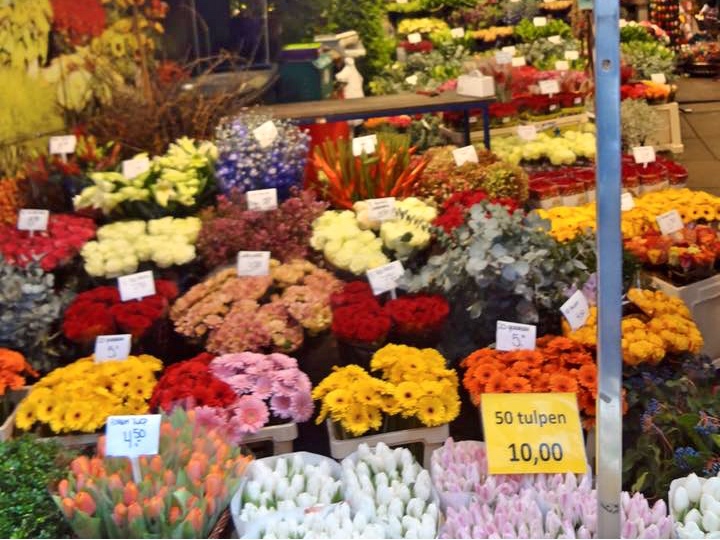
(503, 58)
(466, 154)
(384, 278)
(533, 433)
(412, 80)
(510, 336)
(63, 144)
(265, 134)
(458, 33)
(644, 154)
(135, 167)
(133, 436)
(415, 38)
(572, 55)
(627, 202)
(253, 263)
(527, 133)
(112, 348)
(658, 78)
(364, 144)
(518, 61)
(576, 310)
(381, 209)
(262, 200)
(136, 286)
(509, 49)
(670, 222)
(555, 39)
(539, 21)
(549, 87)
(562, 65)
(30, 219)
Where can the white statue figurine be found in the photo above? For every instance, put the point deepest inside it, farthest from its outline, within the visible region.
(351, 78)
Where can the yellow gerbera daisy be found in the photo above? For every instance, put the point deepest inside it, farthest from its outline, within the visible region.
(431, 411)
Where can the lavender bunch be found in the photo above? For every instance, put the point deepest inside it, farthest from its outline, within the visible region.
(245, 164)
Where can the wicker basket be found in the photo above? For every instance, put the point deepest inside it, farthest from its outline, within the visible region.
(222, 527)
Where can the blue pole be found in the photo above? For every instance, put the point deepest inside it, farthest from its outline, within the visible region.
(609, 245)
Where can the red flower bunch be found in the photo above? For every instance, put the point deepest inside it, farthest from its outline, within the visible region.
(358, 316)
(99, 311)
(455, 209)
(53, 247)
(192, 384)
(418, 314)
(79, 20)
(502, 110)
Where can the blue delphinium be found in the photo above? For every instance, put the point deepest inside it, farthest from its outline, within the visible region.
(244, 165)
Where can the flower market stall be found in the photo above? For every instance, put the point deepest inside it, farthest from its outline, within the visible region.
(219, 322)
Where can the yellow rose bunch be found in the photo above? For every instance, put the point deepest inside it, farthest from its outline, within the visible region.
(568, 222)
(586, 335)
(80, 396)
(123, 245)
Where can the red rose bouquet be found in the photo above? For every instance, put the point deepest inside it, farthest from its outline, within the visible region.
(455, 209)
(418, 315)
(57, 245)
(358, 316)
(99, 311)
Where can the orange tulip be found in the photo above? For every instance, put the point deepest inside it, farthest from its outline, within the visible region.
(115, 482)
(169, 478)
(134, 511)
(195, 519)
(155, 506)
(130, 493)
(68, 507)
(213, 485)
(174, 515)
(119, 515)
(80, 465)
(85, 503)
(63, 487)
(156, 463)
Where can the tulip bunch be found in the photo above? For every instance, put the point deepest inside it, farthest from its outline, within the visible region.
(183, 490)
(695, 506)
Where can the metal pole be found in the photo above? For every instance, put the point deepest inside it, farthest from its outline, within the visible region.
(266, 30)
(609, 243)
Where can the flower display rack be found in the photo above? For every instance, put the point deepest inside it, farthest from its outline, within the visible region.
(78, 442)
(13, 397)
(430, 437)
(703, 300)
(281, 436)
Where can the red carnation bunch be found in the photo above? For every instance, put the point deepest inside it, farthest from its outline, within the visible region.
(358, 316)
(99, 311)
(62, 240)
(191, 384)
(455, 209)
(418, 314)
(79, 20)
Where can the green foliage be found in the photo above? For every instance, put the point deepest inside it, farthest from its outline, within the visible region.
(649, 57)
(528, 32)
(542, 53)
(635, 32)
(449, 4)
(638, 122)
(300, 20)
(27, 468)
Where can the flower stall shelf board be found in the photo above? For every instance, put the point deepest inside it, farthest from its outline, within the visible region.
(79, 442)
(281, 436)
(431, 438)
(703, 300)
(12, 398)
(311, 112)
(668, 137)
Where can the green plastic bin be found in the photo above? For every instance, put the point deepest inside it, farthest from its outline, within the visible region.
(306, 74)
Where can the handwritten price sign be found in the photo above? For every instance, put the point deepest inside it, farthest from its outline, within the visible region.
(132, 435)
(33, 220)
(262, 200)
(110, 348)
(136, 286)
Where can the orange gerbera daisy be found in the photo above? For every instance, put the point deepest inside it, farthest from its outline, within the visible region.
(522, 368)
(496, 384)
(562, 383)
(587, 376)
(483, 372)
(518, 385)
(586, 403)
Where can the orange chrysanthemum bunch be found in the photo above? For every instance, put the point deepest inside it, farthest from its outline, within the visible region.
(557, 364)
(13, 369)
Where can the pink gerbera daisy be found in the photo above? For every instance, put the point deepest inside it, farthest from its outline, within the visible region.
(281, 406)
(302, 405)
(251, 414)
(262, 388)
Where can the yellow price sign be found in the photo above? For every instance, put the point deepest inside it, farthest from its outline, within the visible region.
(533, 433)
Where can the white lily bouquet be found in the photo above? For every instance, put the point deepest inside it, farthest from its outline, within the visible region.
(695, 506)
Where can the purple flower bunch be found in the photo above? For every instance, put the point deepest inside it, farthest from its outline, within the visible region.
(528, 506)
(265, 385)
(245, 163)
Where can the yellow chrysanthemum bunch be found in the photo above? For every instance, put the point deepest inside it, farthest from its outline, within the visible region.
(415, 383)
(667, 327)
(79, 397)
(568, 222)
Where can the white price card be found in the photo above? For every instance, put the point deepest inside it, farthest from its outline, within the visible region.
(412, 80)
(576, 310)
(415, 37)
(510, 336)
(30, 219)
(253, 263)
(262, 200)
(364, 144)
(509, 49)
(555, 39)
(549, 87)
(658, 78)
(572, 55)
(540, 21)
(527, 133)
(136, 286)
(670, 222)
(458, 33)
(384, 278)
(643, 154)
(518, 61)
(110, 348)
(132, 435)
(381, 209)
(135, 167)
(502, 58)
(627, 202)
(466, 154)
(63, 144)
(562, 65)
(402, 1)
(266, 134)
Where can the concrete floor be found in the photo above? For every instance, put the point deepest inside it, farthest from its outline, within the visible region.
(700, 127)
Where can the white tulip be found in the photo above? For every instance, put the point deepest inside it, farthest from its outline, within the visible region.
(374, 530)
(297, 464)
(286, 505)
(282, 530)
(298, 483)
(383, 495)
(715, 534)
(305, 500)
(428, 528)
(381, 479)
(711, 486)
(265, 498)
(393, 527)
(711, 522)
(360, 521)
(396, 508)
(693, 516)
(432, 511)
(252, 491)
(411, 533)
(693, 486)
(281, 467)
(680, 500)
(415, 508)
(423, 486)
(409, 522)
